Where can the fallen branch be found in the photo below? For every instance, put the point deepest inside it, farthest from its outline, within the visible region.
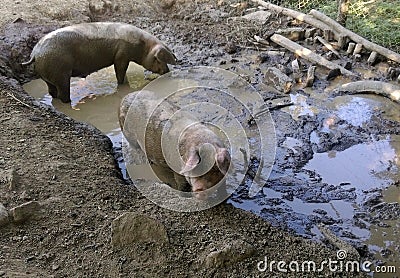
(308, 54)
(354, 37)
(328, 46)
(369, 86)
(297, 15)
(20, 101)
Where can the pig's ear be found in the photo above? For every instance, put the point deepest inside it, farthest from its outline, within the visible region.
(163, 54)
(191, 163)
(223, 159)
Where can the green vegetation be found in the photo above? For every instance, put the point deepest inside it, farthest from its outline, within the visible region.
(376, 20)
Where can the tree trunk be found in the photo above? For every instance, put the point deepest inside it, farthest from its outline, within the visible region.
(343, 8)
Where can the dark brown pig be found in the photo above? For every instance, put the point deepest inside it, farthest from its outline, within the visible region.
(81, 49)
(204, 158)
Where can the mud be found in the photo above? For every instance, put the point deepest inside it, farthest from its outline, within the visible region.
(337, 161)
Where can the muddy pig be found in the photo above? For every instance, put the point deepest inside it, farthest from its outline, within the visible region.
(201, 160)
(81, 49)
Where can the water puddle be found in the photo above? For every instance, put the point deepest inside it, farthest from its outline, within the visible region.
(95, 100)
(362, 166)
(300, 107)
(358, 110)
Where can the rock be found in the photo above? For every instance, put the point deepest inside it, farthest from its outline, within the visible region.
(259, 16)
(333, 74)
(231, 48)
(229, 254)
(25, 211)
(276, 78)
(11, 178)
(310, 32)
(294, 33)
(4, 219)
(132, 228)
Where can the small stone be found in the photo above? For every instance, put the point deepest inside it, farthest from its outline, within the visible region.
(4, 219)
(258, 16)
(2, 273)
(309, 33)
(11, 178)
(231, 48)
(55, 267)
(25, 211)
(293, 33)
(333, 74)
(132, 228)
(262, 58)
(278, 79)
(229, 254)
(348, 65)
(30, 258)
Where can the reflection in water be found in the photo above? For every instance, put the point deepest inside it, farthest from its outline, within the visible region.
(364, 166)
(358, 110)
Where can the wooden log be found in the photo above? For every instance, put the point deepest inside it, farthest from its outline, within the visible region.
(296, 71)
(369, 86)
(391, 55)
(308, 54)
(342, 41)
(310, 76)
(350, 48)
(328, 46)
(372, 57)
(343, 9)
(295, 14)
(357, 49)
(328, 34)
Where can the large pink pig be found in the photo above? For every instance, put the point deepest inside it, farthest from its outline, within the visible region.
(205, 159)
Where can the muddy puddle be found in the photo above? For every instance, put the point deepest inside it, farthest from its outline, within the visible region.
(338, 188)
(95, 100)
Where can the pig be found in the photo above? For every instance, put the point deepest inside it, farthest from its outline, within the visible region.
(197, 145)
(82, 49)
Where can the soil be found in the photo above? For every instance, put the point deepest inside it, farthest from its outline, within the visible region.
(70, 167)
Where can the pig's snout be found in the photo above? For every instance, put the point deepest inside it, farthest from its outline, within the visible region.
(199, 191)
(165, 70)
(158, 68)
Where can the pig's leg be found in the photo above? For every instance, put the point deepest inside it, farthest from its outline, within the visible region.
(120, 67)
(63, 89)
(181, 183)
(52, 89)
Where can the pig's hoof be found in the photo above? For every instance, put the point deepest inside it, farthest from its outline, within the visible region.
(66, 100)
